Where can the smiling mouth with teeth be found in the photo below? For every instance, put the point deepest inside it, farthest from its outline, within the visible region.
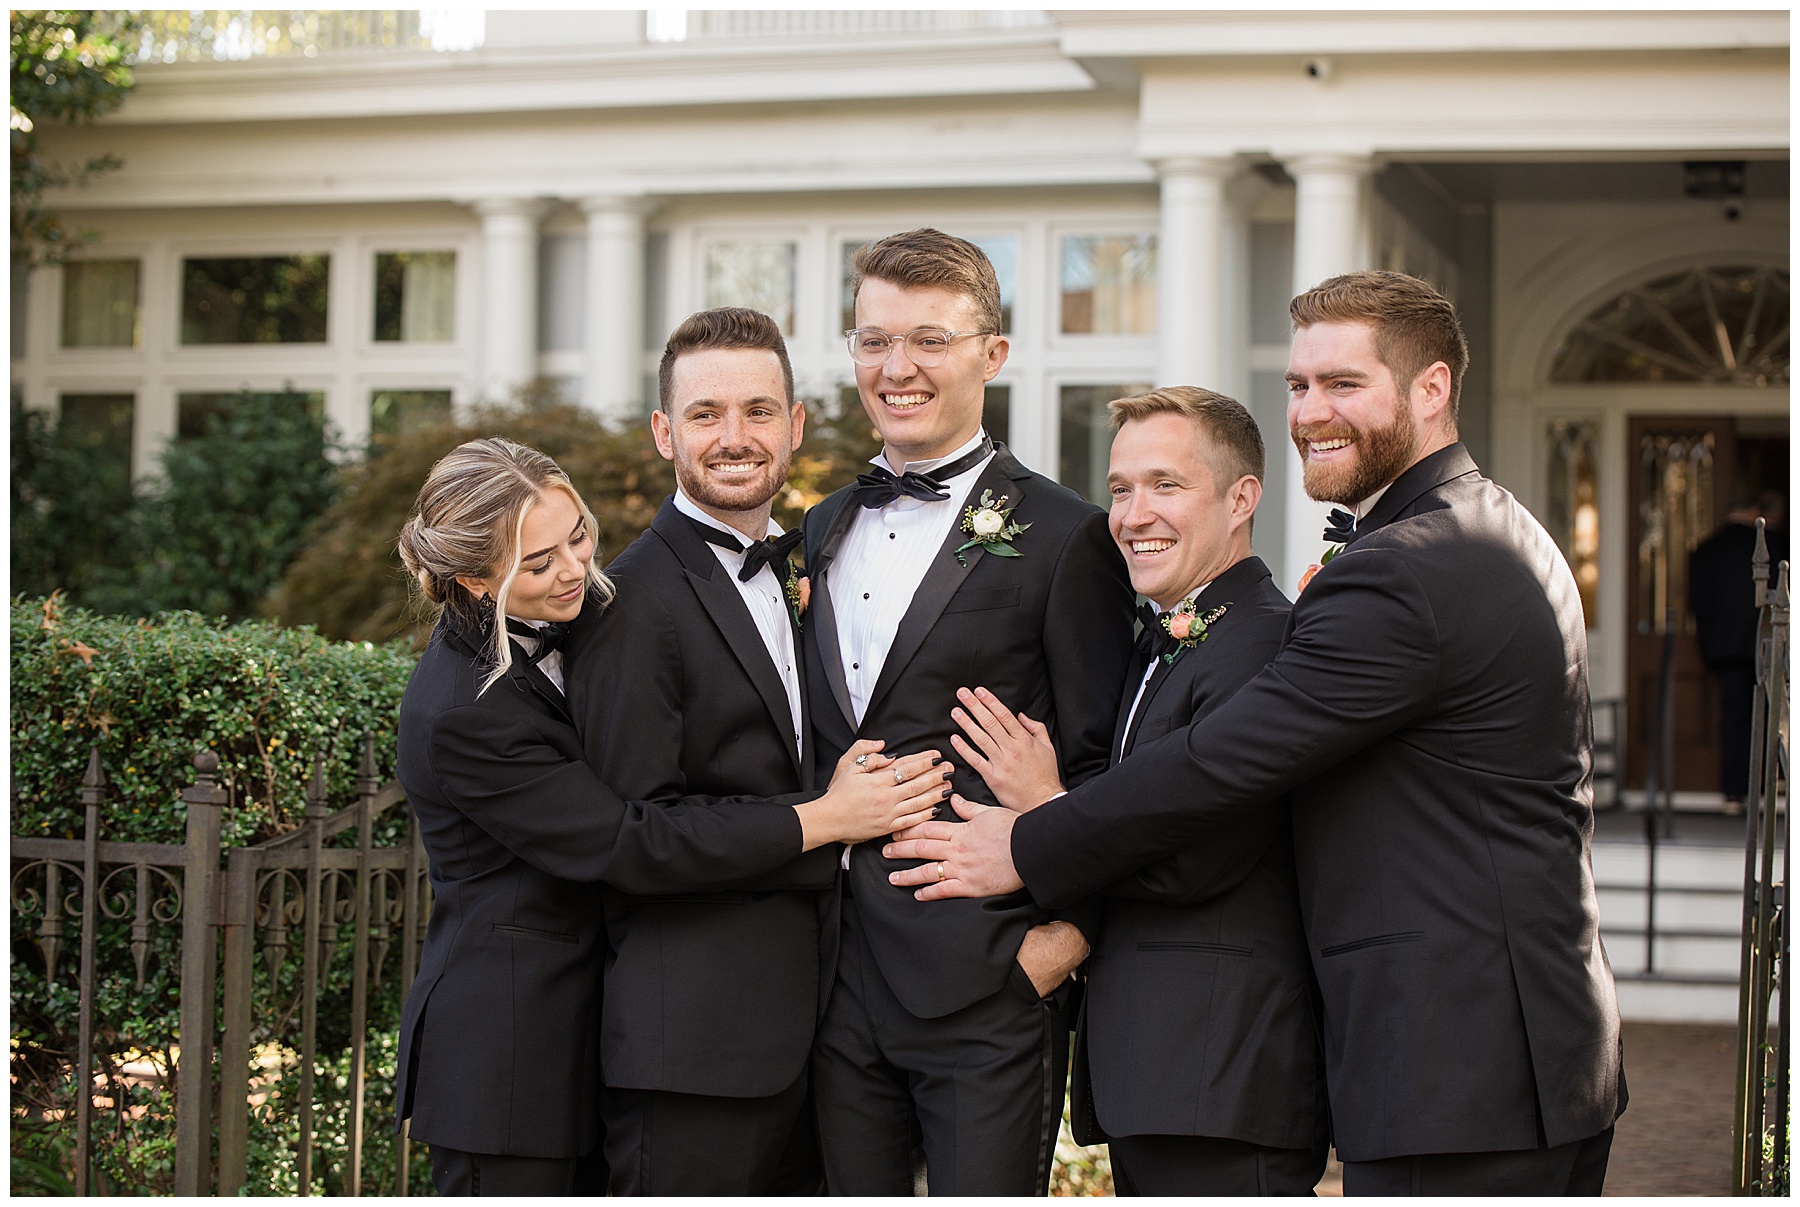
(737, 467)
(1327, 446)
(905, 402)
(1156, 546)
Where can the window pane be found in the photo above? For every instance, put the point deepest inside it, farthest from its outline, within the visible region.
(757, 275)
(395, 413)
(267, 300)
(100, 304)
(99, 425)
(195, 412)
(1002, 251)
(1087, 437)
(996, 412)
(415, 296)
(1722, 325)
(1109, 285)
(1573, 511)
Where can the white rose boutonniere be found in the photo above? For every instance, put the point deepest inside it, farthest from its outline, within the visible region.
(989, 524)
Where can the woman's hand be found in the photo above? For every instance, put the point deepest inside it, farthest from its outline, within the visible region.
(871, 801)
(1011, 753)
(862, 756)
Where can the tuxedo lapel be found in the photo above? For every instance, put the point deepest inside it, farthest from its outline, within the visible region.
(724, 606)
(1134, 679)
(945, 574)
(1448, 463)
(823, 616)
(538, 683)
(1158, 677)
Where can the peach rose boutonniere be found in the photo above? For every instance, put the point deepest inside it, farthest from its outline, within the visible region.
(1189, 629)
(799, 592)
(989, 524)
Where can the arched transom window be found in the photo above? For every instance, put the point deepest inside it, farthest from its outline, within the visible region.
(1720, 326)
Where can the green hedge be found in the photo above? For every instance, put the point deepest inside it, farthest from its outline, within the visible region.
(150, 693)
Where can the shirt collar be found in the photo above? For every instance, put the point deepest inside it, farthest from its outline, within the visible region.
(691, 509)
(1363, 508)
(925, 467)
(1189, 598)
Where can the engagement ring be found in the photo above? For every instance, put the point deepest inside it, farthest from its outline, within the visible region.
(899, 776)
(862, 760)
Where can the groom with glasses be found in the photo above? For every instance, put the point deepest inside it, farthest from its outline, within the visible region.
(949, 561)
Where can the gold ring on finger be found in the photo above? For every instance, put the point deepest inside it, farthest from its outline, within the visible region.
(942, 875)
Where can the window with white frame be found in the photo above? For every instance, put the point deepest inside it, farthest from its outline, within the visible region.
(1086, 436)
(100, 304)
(755, 273)
(415, 297)
(1108, 284)
(255, 300)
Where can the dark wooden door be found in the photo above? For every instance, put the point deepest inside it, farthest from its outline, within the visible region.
(1681, 472)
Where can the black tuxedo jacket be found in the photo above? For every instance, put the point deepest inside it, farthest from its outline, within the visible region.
(708, 993)
(1199, 1017)
(1429, 714)
(499, 1038)
(1048, 632)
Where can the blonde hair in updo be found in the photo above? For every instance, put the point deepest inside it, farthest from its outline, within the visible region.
(469, 521)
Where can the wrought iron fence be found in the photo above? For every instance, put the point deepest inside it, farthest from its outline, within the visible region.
(1760, 1160)
(255, 900)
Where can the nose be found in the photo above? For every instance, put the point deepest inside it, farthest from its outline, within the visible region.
(1308, 406)
(898, 365)
(1135, 510)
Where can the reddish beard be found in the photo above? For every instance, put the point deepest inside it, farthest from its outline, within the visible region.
(1382, 454)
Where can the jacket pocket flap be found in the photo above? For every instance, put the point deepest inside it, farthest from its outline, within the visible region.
(977, 601)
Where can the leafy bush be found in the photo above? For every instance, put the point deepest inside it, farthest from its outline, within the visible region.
(150, 694)
(348, 580)
(213, 534)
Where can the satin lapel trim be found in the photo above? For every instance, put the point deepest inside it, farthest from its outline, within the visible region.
(725, 607)
(540, 683)
(1134, 678)
(1162, 675)
(823, 617)
(940, 583)
(1446, 465)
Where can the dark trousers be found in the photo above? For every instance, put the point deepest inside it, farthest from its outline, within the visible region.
(488, 1175)
(1576, 1168)
(1165, 1166)
(663, 1143)
(1737, 701)
(984, 1086)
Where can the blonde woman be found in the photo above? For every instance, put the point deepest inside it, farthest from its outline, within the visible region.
(499, 1045)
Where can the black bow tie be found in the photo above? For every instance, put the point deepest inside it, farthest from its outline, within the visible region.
(1341, 529)
(772, 552)
(881, 485)
(1153, 642)
(549, 637)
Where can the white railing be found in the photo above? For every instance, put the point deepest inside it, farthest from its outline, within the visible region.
(704, 24)
(217, 35)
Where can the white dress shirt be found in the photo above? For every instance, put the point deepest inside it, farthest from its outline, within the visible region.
(881, 562)
(551, 663)
(765, 596)
(1131, 717)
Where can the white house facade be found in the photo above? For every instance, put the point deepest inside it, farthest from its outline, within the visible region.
(399, 230)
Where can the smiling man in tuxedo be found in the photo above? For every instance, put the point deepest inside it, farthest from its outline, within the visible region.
(1429, 714)
(717, 993)
(1197, 1055)
(949, 560)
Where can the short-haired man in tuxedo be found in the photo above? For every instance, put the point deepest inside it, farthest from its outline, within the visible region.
(713, 997)
(1429, 714)
(949, 560)
(1197, 1055)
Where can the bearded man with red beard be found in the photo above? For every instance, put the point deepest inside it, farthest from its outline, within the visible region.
(1428, 714)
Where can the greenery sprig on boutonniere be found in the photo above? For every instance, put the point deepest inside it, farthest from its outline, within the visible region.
(1184, 626)
(799, 592)
(989, 525)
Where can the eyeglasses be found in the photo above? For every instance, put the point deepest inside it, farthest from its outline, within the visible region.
(925, 346)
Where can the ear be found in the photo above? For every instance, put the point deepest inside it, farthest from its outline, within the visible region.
(996, 356)
(1243, 497)
(663, 432)
(797, 420)
(474, 586)
(1431, 394)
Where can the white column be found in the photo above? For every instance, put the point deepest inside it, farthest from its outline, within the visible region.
(1190, 292)
(509, 294)
(612, 382)
(1330, 238)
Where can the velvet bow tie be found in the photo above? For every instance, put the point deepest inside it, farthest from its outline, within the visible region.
(549, 637)
(1341, 528)
(881, 485)
(771, 552)
(1153, 642)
